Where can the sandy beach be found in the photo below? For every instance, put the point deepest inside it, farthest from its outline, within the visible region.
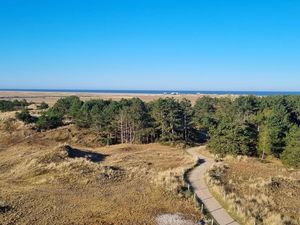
(52, 97)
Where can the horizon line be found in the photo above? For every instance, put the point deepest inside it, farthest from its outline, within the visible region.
(138, 90)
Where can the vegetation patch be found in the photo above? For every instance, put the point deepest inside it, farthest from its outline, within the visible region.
(4, 207)
(246, 125)
(120, 188)
(260, 127)
(260, 199)
(6, 105)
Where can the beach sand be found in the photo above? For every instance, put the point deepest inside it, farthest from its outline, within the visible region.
(52, 97)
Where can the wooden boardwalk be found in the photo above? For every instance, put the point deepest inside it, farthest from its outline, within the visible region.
(197, 181)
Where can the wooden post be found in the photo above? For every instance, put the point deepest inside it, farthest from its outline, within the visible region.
(212, 221)
(202, 207)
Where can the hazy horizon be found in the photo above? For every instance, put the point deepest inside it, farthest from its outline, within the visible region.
(151, 91)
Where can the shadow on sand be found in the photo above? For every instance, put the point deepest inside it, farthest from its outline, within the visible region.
(92, 156)
(200, 161)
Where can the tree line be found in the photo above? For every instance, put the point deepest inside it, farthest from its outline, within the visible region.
(245, 125)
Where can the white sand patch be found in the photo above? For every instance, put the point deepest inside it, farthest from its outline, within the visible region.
(173, 219)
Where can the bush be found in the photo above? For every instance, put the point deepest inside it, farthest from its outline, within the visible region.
(291, 157)
(12, 105)
(25, 116)
(6, 106)
(43, 105)
(20, 104)
(49, 120)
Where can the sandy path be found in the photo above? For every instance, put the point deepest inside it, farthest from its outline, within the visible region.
(197, 181)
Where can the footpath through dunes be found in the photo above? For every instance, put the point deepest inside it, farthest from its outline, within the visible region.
(200, 188)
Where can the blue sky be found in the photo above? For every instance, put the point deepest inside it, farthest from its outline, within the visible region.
(182, 45)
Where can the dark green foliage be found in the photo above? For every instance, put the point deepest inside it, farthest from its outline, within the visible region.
(6, 106)
(43, 105)
(20, 104)
(67, 106)
(204, 117)
(247, 125)
(253, 125)
(236, 133)
(187, 120)
(83, 117)
(167, 115)
(278, 122)
(12, 105)
(293, 103)
(233, 137)
(49, 120)
(133, 119)
(291, 154)
(95, 113)
(264, 141)
(204, 113)
(245, 106)
(25, 116)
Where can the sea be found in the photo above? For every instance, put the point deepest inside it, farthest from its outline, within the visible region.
(173, 92)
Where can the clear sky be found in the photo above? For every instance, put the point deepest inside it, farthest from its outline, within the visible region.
(150, 44)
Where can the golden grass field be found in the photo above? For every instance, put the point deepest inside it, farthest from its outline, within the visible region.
(256, 192)
(56, 178)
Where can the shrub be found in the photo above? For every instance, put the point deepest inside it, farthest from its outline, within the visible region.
(43, 105)
(6, 106)
(25, 116)
(20, 104)
(49, 120)
(12, 105)
(291, 157)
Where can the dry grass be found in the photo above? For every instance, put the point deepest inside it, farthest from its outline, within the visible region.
(44, 181)
(256, 192)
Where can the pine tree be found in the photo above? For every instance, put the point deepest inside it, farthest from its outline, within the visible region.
(291, 154)
(168, 118)
(187, 115)
(264, 141)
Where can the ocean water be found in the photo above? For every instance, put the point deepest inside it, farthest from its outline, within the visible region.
(258, 93)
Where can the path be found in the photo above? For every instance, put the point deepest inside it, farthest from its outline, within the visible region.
(197, 181)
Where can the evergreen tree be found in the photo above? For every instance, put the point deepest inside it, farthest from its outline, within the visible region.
(63, 106)
(49, 120)
(264, 141)
(291, 154)
(233, 137)
(187, 117)
(204, 112)
(245, 106)
(168, 116)
(83, 116)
